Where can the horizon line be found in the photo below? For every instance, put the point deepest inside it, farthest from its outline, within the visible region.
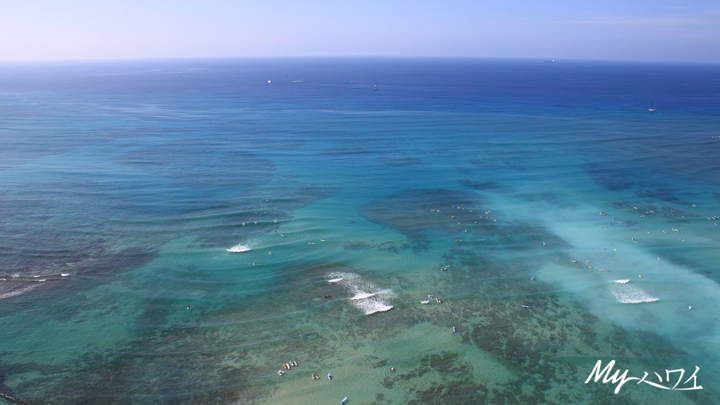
(189, 58)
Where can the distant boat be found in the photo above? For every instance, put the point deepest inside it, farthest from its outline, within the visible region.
(269, 81)
(652, 107)
(375, 87)
(549, 61)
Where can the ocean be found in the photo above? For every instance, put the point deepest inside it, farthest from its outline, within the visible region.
(413, 231)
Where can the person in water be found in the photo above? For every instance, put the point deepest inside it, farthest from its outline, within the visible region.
(329, 376)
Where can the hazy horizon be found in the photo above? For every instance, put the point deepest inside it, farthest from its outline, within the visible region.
(653, 31)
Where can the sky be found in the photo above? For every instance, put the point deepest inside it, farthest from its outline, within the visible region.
(660, 30)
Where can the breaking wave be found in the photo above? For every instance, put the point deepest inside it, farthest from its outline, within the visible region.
(17, 291)
(630, 294)
(239, 248)
(366, 296)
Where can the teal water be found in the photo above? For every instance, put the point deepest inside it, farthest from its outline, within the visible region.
(124, 184)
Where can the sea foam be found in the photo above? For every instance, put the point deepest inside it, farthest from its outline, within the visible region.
(365, 295)
(19, 291)
(239, 248)
(630, 294)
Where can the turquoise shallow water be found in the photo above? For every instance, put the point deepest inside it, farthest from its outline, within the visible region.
(123, 184)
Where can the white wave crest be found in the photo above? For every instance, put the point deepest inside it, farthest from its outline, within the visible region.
(365, 295)
(239, 248)
(630, 294)
(16, 292)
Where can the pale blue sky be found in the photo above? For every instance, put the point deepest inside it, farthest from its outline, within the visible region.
(657, 30)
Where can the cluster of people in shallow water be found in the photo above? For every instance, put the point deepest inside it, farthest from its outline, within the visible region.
(291, 364)
(287, 366)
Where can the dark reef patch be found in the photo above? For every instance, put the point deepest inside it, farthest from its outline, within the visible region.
(613, 179)
(476, 185)
(399, 161)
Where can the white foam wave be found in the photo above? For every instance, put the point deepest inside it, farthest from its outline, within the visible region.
(365, 295)
(630, 294)
(239, 248)
(16, 292)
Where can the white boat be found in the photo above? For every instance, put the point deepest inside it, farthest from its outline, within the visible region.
(652, 107)
(623, 281)
(239, 248)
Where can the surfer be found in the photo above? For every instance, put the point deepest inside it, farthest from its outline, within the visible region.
(343, 401)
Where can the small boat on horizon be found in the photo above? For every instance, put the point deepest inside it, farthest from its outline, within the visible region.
(652, 107)
(549, 61)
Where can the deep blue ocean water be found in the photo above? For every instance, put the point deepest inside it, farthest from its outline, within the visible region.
(478, 181)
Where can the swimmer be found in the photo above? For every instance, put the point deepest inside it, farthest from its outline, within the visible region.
(280, 373)
(525, 306)
(327, 296)
(438, 300)
(188, 307)
(543, 243)
(532, 278)
(454, 330)
(329, 376)
(690, 307)
(392, 368)
(282, 234)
